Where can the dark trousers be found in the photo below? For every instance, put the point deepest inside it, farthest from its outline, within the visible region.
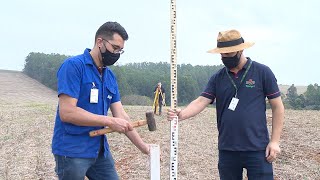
(100, 168)
(231, 164)
(160, 107)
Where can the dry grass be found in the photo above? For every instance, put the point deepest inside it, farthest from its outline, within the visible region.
(27, 111)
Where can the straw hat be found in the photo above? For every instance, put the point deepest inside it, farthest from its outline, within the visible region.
(230, 41)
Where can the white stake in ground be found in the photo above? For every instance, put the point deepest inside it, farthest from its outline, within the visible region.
(174, 122)
(154, 162)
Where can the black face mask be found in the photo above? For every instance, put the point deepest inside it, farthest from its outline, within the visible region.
(109, 58)
(231, 62)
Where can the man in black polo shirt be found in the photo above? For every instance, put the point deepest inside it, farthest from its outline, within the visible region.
(240, 90)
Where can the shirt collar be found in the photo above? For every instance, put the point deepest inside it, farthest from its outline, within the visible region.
(89, 60)
(247, 63)
(87, 56)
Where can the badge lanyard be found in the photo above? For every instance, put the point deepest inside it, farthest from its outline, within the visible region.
(244, 75)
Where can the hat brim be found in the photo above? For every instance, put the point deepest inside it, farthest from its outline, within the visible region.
(236, 48)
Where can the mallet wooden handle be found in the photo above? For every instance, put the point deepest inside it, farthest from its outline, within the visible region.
(108, 130)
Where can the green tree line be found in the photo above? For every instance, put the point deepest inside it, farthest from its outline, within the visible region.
(137, 81)
(43, 67)
(308, 100)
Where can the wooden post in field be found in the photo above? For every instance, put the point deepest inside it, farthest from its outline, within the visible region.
(154, 162)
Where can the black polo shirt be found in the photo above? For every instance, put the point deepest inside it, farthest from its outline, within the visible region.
(245, 128)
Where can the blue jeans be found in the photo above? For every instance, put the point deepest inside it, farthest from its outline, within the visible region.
(231, 164)
(101, 168)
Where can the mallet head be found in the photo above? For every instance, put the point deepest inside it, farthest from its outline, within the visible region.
(151, 121)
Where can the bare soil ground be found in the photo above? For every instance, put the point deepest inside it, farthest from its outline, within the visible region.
(27, 111)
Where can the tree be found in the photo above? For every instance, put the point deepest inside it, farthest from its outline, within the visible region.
(292, 96)
(312, 97)
(43, 67)
(187, 90)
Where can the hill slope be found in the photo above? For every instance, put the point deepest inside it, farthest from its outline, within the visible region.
(26, 114)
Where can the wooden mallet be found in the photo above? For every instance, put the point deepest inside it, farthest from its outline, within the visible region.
(149, 120)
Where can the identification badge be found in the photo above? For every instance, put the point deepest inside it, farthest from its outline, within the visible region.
(94, 94)
(233, 104)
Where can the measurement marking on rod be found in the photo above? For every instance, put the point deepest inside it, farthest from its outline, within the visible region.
(174, 122)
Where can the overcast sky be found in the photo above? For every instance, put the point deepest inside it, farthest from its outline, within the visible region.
(286, 32)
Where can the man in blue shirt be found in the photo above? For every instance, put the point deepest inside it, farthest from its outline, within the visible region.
(240, 90)
(87, 88)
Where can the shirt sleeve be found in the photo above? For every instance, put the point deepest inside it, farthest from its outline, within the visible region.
(210, 90)
(270, 85)
(69, 79)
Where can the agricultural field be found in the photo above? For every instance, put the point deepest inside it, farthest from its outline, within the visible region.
(27, 112)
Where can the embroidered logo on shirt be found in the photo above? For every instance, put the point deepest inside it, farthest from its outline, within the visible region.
(109, 97)
(250, 83)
